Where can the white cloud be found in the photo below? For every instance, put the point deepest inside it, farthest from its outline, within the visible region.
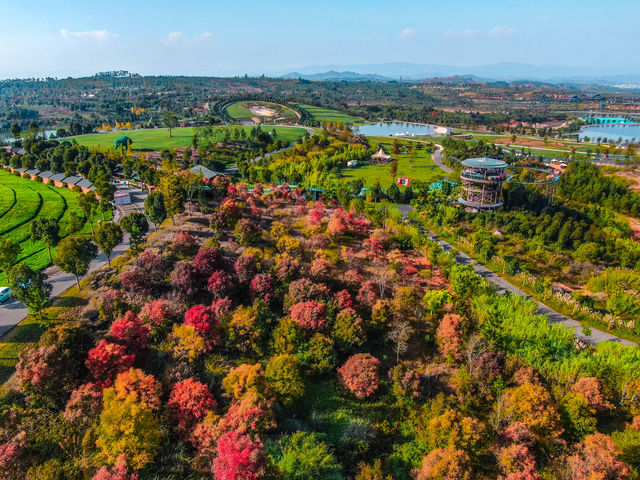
(202, 37)
(467, 32)
(502, 30)
(91, 34)
(173, 38)
(407, 33)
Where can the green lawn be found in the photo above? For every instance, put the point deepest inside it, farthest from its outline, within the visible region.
(158, 138)
(239, 111)
(327, 115)
(33, 200)
(423, 167)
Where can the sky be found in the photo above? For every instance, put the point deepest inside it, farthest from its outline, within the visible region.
(234, 37)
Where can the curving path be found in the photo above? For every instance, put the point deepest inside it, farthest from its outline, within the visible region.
(13, 312)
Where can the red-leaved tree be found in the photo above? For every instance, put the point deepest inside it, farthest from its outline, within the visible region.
(106, 360)
(201, 318)
(360, 375)
(118, 472)
(309, 316)
(143, 388)
(449, 335)
(239, 457)
(185, 279)
(158, 312)
(189, 402)
(262, 286)
(130, 332)
(207, 261)
(219, 284)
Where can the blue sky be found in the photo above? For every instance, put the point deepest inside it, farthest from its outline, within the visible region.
(190, 37)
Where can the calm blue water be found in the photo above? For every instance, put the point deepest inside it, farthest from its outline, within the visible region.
(398, 129)
(611, 132)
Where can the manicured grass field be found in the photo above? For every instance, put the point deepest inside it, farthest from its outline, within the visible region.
(239, 111)
(327, 115)
(423, 167)
(158, 138)
(33, 200)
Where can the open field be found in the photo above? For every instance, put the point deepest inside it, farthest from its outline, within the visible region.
(158, 138)
(263, 111)
(328, 115)
(21, 202)
(423, 167)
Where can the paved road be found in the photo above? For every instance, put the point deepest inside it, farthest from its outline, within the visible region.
(437, 158)
(597, 336)
(503, 285)
(12, 311)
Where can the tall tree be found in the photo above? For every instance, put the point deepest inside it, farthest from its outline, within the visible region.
(46, 230)
(16, 131)
(88, 203)
(136, 225)
(74, 256)
(155, 209)
(30, 288)
(172, 193)
(170, 121)
(9, 251)
(108, 236)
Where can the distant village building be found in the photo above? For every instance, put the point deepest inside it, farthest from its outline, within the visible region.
(380, 158)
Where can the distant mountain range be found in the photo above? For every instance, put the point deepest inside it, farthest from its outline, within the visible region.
(497, 72)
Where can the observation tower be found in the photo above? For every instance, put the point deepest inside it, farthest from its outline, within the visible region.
(482, 180)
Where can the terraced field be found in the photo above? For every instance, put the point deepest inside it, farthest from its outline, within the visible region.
(328, 115)
(21, 202)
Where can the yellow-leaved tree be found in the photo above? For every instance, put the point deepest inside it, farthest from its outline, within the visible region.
(128, 427)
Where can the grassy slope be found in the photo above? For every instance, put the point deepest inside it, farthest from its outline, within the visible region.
(158, 138)
(57, 203)
(423, 169)
(328, 115)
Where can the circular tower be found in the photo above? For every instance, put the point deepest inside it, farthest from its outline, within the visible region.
(482, 180)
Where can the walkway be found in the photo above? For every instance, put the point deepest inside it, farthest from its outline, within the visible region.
(13, 312)
(503, 285)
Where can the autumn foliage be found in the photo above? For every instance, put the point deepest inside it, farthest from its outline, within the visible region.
(360, 375)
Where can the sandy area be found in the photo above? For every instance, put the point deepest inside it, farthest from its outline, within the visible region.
(262, 111)
(633, 175)
(529, 142)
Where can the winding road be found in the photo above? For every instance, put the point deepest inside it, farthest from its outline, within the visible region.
(13, 312)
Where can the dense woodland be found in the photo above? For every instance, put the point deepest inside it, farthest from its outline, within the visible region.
(286, 339)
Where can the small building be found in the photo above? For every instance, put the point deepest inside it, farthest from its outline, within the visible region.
(121, 197)
(33, 173)
(352, 163)
(71, 181)
(57, 179)
(85, 185)
(205, 172)
(380, 158)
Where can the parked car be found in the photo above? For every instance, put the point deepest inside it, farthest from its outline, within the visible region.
(5, 293)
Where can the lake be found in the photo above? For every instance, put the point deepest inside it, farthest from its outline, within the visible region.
(611, 132)
(399, 129)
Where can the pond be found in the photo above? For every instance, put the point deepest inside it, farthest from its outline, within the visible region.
(400, 129)
(611, 132)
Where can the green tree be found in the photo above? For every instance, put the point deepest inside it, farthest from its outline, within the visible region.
(154, 208)
(283, 374)
(16, 131)
(29, 287)
(74, 256)
(304, 456)
(46, 230)
(9, 251)
(170, 121)
(74, 224)
(136, 225)
(108, 236)
(88, 202)
(393, 192)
